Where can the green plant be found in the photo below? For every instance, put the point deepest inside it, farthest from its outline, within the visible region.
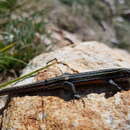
(21, 31)
(6, 59)
(8, 5)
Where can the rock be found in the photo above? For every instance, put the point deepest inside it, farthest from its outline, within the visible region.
(60, 37)
(83, 21)
(53, 110)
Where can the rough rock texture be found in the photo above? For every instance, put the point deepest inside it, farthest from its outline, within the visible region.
(53, 110)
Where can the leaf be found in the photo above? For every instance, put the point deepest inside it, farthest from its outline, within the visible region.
(4, 5)
(14, 59)
(7, 47)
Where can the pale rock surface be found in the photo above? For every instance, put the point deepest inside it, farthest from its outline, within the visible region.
(52, 110)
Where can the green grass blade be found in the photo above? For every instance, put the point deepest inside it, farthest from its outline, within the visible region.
(25, 76)
(14, 59)
(7, 47)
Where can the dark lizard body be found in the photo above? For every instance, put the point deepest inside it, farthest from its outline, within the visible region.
(72, 80)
